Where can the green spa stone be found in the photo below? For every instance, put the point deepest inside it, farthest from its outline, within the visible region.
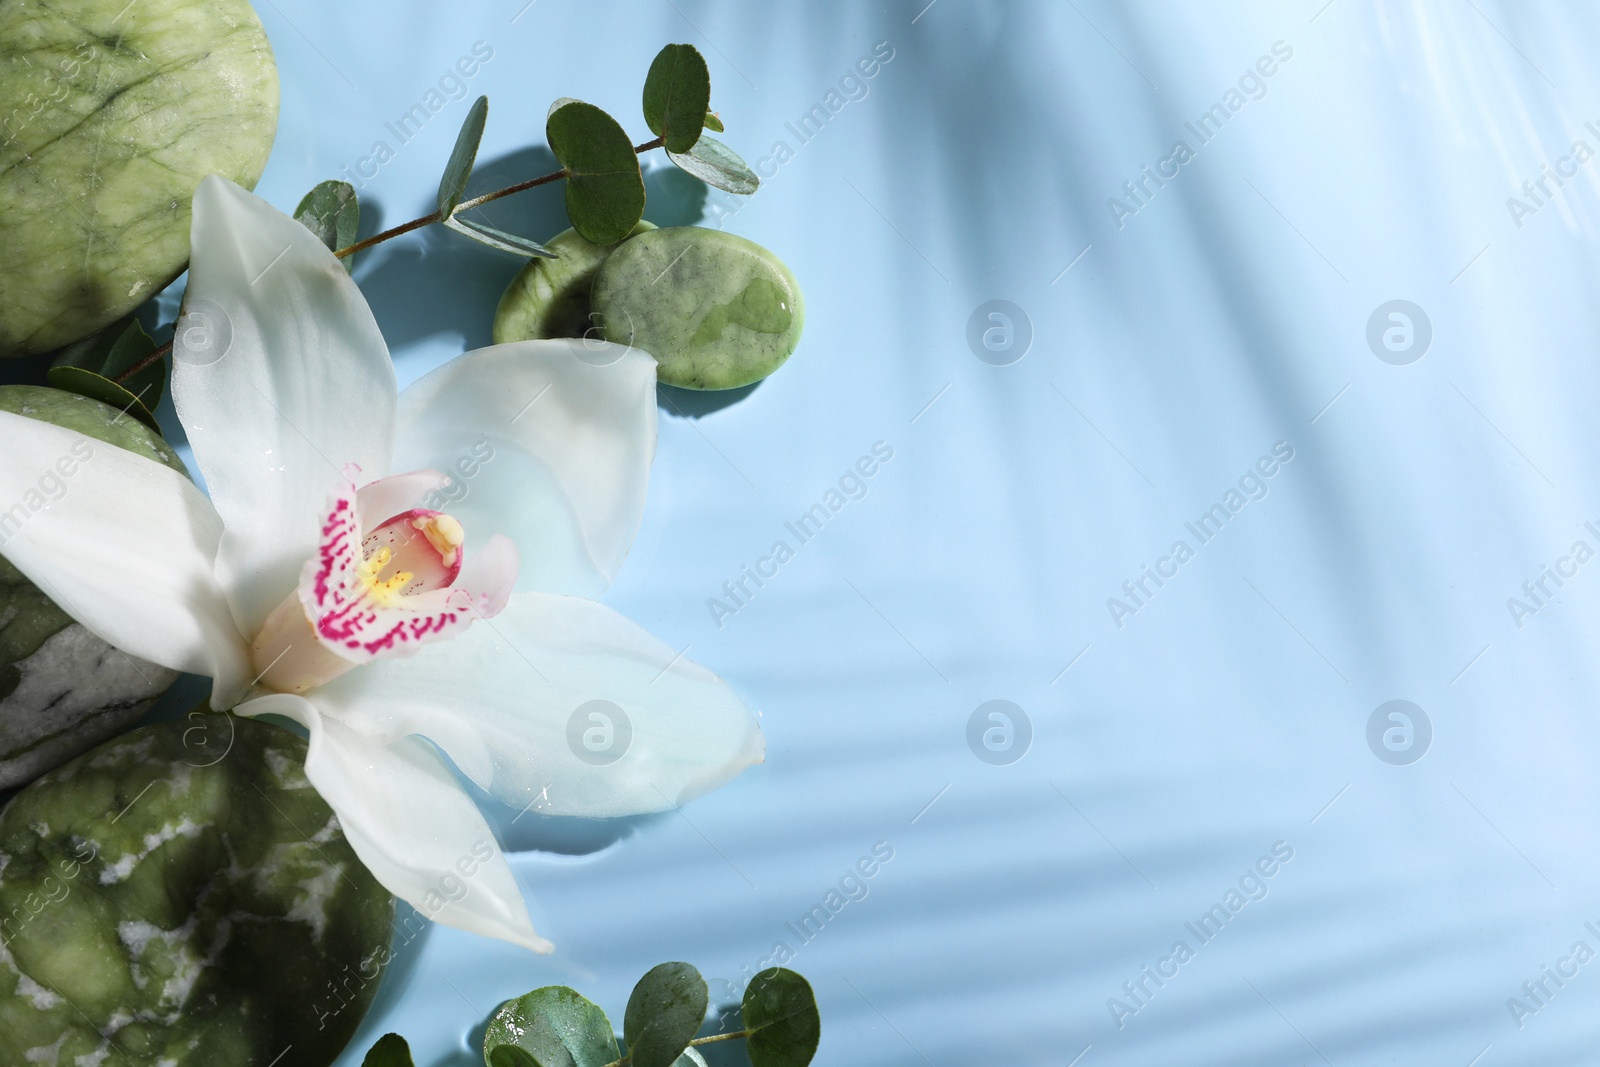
(715, 310)
(62, 689)
(110, 114)
(165, 905)
(550, 297)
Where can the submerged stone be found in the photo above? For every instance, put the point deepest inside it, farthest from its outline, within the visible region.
(182, 897)
(113, 112)
(715, 310)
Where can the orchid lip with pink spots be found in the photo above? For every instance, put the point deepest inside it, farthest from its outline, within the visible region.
(314, 583)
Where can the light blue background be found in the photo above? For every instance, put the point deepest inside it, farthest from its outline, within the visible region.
(1230, 712)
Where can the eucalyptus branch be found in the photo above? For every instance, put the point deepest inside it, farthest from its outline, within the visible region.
(624, 1061)
(148, 361)
(719, 1037)
(433, 217)
(406, 227)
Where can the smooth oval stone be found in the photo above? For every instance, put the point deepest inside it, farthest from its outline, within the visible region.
(62, 689)
(550, 297)
(164, 903)
(717, 311)
(113, 112)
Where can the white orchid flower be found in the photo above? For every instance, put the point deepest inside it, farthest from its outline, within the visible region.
(318, 585)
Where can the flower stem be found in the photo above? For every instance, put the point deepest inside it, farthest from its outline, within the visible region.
(433, 217)
(395, 231)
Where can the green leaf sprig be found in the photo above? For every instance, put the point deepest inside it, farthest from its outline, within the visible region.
(600, 164)
(605, 195)
(556, 1027)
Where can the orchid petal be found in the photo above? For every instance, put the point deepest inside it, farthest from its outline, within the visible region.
(488, 576)
(548, 442)
(359, 611)
(411, 824)
(400, 493)
(280, 377)
(512, 703)
(125, 545)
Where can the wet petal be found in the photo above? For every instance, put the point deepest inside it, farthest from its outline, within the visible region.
(548, 442)
(563, 704)
(411, 824)
(280, 377)
(124, 544)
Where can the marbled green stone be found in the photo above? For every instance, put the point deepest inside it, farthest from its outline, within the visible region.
(550, 297)
(164, 905)
(62, 689)
(717, 311)
(110, 114)
(90, 418)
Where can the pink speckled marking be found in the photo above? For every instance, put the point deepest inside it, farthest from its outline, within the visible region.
(349, 621)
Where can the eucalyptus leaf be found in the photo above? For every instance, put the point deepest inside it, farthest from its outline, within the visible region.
(99, 387)
(505, 242)
(717, 165)
(677, 94)
(510, 1056)
(110, 354)
(462, 157)
(714, 122)
(780, 1013)
(555, 1027)
(664, 1013)
(690, 1058)
(605, 189)
(332, 212)
(390, 1051)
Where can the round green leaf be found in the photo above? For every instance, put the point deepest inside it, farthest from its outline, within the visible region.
(677, 93)
(556, 1028)
(664, 1013)
(605, 190)
(113, 113)
(332, 212)
(718, 166)
(780, 1013)
(390, 1051)
(510, 1056)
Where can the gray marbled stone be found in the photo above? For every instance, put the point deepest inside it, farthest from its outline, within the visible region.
(72, 693)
